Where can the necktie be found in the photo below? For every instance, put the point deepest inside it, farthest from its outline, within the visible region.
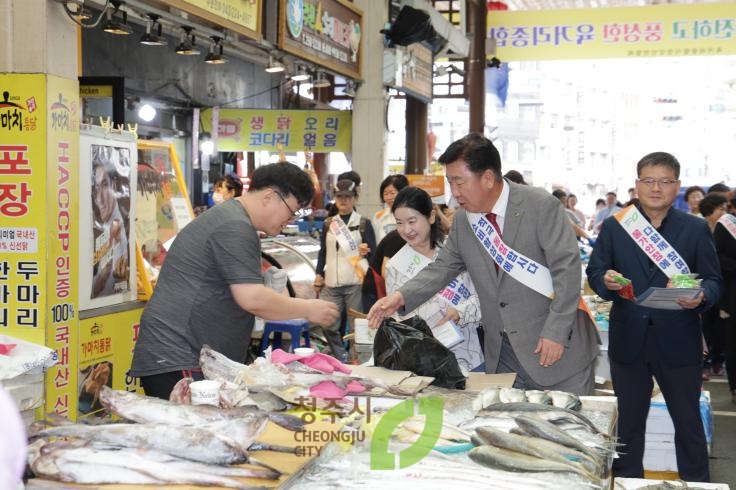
(491, 217)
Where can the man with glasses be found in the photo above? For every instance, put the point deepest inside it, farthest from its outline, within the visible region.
(516, 243)
(211, 288)
(647, 244)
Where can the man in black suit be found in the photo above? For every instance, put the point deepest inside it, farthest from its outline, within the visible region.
(646, 342)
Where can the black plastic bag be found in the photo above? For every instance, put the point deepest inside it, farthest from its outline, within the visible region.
(410, 346)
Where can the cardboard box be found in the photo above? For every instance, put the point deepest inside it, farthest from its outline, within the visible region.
(636, 483)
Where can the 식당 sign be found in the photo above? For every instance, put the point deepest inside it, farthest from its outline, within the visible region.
(267, 129)
(699, 29)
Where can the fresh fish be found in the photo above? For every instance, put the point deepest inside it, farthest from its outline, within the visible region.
(448, 432)
(511, 395)
(538, 396)
(564, 399)
(546, 430)
(496, 457)
(130, 466)
(546, 412)
(147, 409)
(541, 448)
(219, 367)
(193, 443)
(212, 444)
(501, 423)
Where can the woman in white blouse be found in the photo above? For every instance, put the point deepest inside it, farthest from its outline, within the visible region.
(383, 220)
(417, 223)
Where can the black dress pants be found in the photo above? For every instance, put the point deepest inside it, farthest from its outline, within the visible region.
(681, 387)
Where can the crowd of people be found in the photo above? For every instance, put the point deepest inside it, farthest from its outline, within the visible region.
(512, 249)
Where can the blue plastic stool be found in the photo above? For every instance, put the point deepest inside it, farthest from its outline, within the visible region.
(297, 328)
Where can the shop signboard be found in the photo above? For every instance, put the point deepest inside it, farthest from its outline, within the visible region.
(697, 29)
(241, 16)
(23, 201)
(39, 156)
(433, 184)
(62, 216)
(108, 170)
(325, 32)
(105, 353)
(271, 129)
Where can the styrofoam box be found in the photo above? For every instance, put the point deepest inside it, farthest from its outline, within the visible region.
(26, 390)
(636, 483)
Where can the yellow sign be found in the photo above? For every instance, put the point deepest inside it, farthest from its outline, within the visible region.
(105, 353)
(93, 91)
(697, 29)
(265, 129)
(241, 16)
(23, 201)
(62, 187)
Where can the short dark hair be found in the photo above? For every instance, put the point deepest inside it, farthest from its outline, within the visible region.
(559, 193)
(719, 187)
(419, 200)
(691, 189)
(711, 202)
(233, 183)
(659, 158)
(515, 176)
(399, 181)
(600, 201)
(478, 153)
(287, 178)
(611, 193)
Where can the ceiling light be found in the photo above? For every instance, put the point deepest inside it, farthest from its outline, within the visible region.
(154, 35)
(113, 26)
(350, 88)
(274, 65)
(147, 112)
(186, 42)
(215, 57)
(301, 74)
(321, 81)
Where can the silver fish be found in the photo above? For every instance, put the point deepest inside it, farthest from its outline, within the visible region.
(538, 396)
(546, 430)
(565, 400)
(546, 412)
(541, 448)
(511, 395)
(224, 442)
(129, 466)
(496, 457)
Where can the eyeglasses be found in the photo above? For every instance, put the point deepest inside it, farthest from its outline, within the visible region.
(649, 182)
(299, 213)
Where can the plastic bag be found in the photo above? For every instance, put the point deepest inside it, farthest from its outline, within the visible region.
(410, 346)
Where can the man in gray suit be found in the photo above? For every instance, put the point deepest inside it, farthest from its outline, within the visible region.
(526, 271)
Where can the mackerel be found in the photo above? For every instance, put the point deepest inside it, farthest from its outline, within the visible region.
(496, 457)
(541, 448)
(546, 430)
(546, 412)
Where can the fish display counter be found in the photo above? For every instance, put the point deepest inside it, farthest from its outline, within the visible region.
(297, 255)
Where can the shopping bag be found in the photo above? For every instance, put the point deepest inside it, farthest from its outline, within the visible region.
(409, 345)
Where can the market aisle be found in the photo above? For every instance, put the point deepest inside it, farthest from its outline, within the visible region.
(723, 455)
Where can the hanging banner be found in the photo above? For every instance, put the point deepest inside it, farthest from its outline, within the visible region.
(23, 203)
(698, 29)
(241, 16)
(265, 129)
(62, 218)
(325, 32)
